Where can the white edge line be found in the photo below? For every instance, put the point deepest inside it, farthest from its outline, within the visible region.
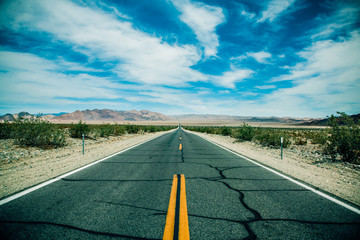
(41, 185)
(290, 179)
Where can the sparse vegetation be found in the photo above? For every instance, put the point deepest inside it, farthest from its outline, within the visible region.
(264, 136)
(245, 133)
(5, 130)
(43, 134)
(34, 133)
(77, 130)
(344, 138)
(341, 141)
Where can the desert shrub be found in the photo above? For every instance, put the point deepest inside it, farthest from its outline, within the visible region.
(119, 130)
(300, 141)
(77, 130)
(225, 131)
(37, 133)
(106, 130)
(5, 130)
(245, 133)
(318, 137)
(130, 129)
(344, 139)
(271, 137)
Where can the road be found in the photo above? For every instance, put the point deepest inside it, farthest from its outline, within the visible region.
(127, 197)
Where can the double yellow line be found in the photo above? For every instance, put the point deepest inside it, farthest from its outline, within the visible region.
(177, 224)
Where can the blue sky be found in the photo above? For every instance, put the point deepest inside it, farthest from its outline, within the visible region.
(294, 58)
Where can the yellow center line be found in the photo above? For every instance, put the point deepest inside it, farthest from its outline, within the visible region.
(183, 223)
(170, 218)
(180, 146)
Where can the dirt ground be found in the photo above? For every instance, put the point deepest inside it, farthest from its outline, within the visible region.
(21, 168)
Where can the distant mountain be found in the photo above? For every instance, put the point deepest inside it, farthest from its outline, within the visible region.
(324, 121)
(12, 117)
(7, 117)
(227, 118)
(206, 117)
(111, 115)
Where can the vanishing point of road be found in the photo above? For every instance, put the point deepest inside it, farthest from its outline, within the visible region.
(127, 195)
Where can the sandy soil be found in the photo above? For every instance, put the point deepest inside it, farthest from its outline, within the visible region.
(21, 168)
(305, 163)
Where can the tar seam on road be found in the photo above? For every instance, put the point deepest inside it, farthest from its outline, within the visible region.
(177, 225)
(324, 195)
(36, 187)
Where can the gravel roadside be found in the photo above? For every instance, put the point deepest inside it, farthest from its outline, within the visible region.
(304, 163)
(21, 168)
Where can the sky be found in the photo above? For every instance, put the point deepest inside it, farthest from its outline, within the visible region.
(296, 58)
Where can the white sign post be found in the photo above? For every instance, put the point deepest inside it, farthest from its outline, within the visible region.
(282, 141)
(83, 143)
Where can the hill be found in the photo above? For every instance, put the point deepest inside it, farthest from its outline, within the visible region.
(228, 118)
(111, 115)
(323, 122)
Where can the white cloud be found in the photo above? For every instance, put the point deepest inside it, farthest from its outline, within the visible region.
(228, 79)
(248, 15)
(265, 87)
(329, 77)
(274, 9)
(344, 18)
(142, 58)
(27, 78)
(203, 20)
(260, 57)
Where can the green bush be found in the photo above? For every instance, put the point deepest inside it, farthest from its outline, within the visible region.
(272, 137)
(245, 133)
(131, 129)
(318, 137)
(226, 131)
(37, 133)
(344, 138)
(5, 130)
(119, 130)
(106, 130)
(77, 130)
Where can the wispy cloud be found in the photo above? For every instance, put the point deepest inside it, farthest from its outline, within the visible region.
(141, 57)
(274, 9)
(329, 76)
(28, 78)
(342, 21)
(203, 20)
(229, 78)
(261, 57)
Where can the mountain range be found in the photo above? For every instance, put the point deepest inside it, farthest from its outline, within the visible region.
(107, 115)
(111, 115)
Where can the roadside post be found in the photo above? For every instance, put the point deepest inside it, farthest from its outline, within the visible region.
(83, 142)
(282, 140)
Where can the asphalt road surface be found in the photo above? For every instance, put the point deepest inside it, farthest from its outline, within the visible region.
(127, 196)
